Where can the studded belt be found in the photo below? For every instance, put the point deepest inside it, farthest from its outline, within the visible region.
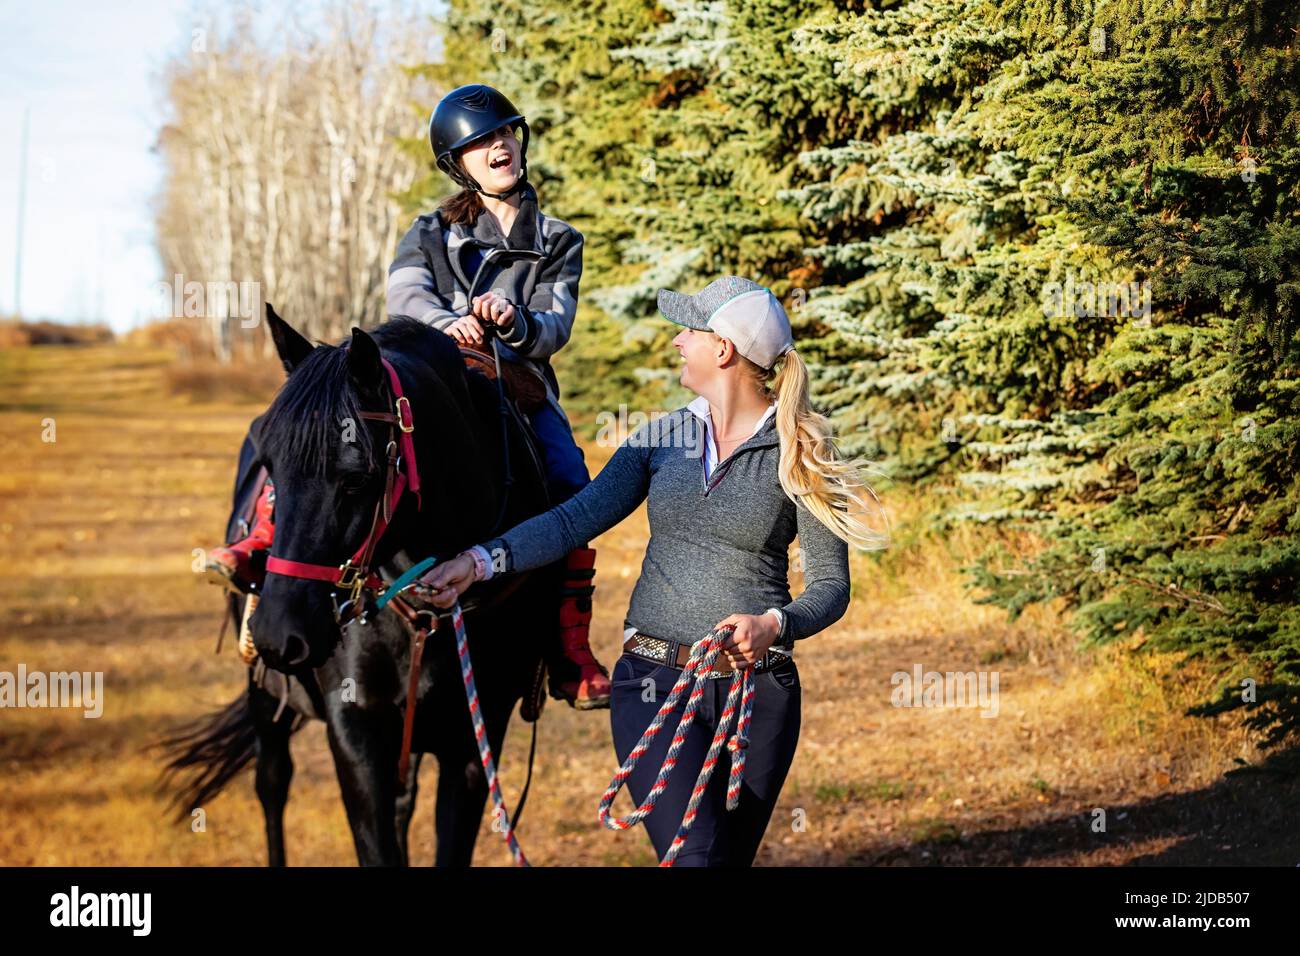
(674, 654)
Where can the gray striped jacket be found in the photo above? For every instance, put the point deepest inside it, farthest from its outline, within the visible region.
(431, 275)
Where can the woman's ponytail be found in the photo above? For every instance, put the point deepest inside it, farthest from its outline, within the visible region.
(812, 471)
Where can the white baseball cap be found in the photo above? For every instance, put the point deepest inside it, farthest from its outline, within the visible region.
(739, 310)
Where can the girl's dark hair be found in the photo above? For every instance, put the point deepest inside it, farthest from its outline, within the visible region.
(462, 207)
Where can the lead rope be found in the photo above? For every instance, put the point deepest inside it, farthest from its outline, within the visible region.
(698, 664)
(480, 735)
(471, 695)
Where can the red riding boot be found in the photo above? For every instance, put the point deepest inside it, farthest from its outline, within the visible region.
(579, 678)
(241, 565)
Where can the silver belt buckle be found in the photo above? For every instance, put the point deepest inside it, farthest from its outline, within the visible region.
(760, 665)
(652, 647)
(715, 674)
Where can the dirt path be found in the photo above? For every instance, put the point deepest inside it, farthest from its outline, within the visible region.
(102, 521)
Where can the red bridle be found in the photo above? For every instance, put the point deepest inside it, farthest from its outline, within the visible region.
(355, 574)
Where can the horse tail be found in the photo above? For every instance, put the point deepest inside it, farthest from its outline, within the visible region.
(210, 751)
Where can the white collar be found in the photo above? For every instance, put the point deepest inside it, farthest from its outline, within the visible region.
(700, 408)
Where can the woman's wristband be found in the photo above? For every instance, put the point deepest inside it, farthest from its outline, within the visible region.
(777, 613)
(482, 562)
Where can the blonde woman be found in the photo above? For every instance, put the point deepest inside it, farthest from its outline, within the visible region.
(730, 479)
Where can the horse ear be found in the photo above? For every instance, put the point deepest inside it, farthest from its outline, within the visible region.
(365, 364)
(293, 348)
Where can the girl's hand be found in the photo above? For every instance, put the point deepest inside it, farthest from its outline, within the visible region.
(466, 330)
(753, 635)
(443, 585)
(493, 309)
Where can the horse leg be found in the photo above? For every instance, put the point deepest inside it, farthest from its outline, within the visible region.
(274, 767)
(368, 778)
(463, 792)
(406, 808)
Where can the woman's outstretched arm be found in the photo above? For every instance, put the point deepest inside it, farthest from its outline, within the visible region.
(609, 498)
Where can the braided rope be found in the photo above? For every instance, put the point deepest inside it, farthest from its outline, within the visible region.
(698, 664)
(480, 734)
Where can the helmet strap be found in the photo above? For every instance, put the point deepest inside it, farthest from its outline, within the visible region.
(467, 181)
(519, 184)
(457, 172)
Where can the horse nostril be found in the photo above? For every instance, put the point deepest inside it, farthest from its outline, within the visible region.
(296, 651)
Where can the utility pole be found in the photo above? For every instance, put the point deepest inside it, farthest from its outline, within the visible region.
(22, 203)
(99, 273)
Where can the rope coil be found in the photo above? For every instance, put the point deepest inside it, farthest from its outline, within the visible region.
(698, 665)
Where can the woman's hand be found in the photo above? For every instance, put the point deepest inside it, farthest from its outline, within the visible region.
(446, 582)
(467, 330)
(753, 635)
(493, 309)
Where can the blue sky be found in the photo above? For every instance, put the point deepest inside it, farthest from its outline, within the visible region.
(87, 70)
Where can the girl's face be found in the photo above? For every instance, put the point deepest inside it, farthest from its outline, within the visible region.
(701, 354)
(493, 160)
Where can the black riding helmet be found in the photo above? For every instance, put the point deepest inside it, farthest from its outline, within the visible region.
(468, 113)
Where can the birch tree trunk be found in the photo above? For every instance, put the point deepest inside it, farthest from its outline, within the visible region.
(282, 164)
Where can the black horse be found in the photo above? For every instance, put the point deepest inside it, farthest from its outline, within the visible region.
(328, 465)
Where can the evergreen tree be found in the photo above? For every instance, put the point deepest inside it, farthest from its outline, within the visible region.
(1041, 251)
(1180, 519)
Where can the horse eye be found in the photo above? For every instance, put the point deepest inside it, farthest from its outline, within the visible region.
(355, 484)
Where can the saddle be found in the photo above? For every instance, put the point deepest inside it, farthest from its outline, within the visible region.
(523, 386)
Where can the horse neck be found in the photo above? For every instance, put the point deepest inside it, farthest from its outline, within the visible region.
(459, 466)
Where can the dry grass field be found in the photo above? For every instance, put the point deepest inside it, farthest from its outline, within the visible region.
(96, 535)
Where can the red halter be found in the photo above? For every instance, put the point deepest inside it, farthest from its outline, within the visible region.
(355, 574)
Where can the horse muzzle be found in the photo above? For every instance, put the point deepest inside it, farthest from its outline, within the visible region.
(294, 626)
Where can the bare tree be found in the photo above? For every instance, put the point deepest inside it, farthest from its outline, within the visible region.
(282, 164)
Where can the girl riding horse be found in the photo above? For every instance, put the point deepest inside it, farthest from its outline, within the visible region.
(487, 256)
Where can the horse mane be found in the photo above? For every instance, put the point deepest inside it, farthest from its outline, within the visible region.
(409, 338)
(304, 419)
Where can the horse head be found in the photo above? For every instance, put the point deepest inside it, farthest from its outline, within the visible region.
(328, 440)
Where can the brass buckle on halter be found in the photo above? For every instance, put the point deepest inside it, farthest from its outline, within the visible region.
(351, 579)
(408, 417)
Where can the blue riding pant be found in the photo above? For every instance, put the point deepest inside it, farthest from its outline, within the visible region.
(566, 467)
